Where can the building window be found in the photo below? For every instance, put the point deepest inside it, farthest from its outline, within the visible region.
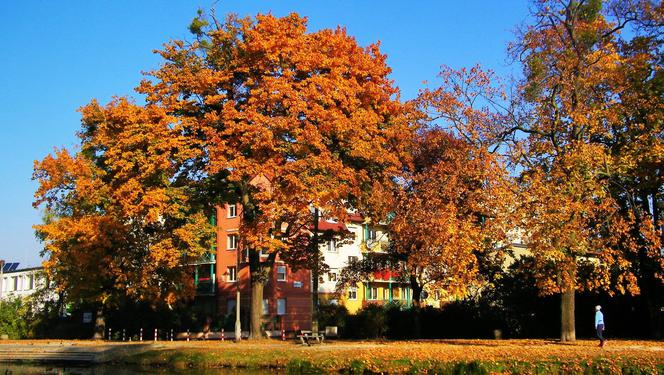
(352, 259)
(15, 282)
(352, 293)
(332, 276)
(373, 293)
(281, 273)
(232, 241)
(232, 274)
(266, 307)
(396, 293)
(332, 246)
(386, 294)
(31, 282)
(281, 306)
(232, 211)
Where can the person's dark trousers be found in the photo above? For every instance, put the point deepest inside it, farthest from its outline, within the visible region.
(600, 331)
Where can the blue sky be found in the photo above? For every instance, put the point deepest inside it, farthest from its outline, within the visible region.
(58, 55)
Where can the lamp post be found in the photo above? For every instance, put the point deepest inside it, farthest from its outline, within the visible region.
(314, 272)
(238, 323)
(2, 268)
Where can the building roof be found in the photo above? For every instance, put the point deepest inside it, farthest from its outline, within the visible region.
(355, 218)
(24, 270)
(324, 225)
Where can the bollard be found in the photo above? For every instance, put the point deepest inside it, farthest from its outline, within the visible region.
(155, 335)
(140, 336)
(283, 335)
(123, 334)
(223, 335)
(187, 335)
(171, 334)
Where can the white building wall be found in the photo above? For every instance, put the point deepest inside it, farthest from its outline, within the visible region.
(338, 258)
(21, 283)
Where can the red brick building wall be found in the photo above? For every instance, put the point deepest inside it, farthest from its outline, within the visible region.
(295, 289)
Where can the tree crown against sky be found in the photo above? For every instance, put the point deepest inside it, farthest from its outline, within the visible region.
(72, 67)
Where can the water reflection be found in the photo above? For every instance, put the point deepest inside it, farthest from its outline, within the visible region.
(16, 369)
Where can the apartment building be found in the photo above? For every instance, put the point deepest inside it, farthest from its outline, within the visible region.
(363, 237)
(287, 294)
(219, 274)
(21, 282)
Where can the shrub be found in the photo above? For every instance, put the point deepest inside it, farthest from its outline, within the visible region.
(14, 318)
(369, 322)
(333, 315)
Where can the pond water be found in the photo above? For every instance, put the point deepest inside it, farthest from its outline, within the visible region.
(16, 369)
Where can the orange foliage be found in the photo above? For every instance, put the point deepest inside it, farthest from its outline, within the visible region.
(580, 230)
(454, 208)
(313, 112)
(120, 222)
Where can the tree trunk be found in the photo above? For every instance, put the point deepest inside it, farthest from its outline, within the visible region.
(417, 303)
(258, 274)
(417, 291)
(256, 320)
(260, 271)
(649, 285)
(655, 296)
(567, 325)
(651, 296)
(100, 325)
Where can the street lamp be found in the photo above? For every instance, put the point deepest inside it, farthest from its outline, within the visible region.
(2, 268)
(314, 271)
(238, 323)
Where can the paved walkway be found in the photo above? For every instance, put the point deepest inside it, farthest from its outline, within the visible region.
(68, 351)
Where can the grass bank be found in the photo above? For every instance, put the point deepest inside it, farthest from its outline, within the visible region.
(440, 357)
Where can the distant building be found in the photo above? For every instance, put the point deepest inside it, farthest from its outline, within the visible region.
(287, 293)
(21, 282)
(379, 288)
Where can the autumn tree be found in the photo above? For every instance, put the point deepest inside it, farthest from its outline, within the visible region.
(313, 113)
(445, 220)
(635, 141)
(577, 88)
(457, 200)
(120, 223)
(452, 207)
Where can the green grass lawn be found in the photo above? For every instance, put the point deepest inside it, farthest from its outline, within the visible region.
(440, 356)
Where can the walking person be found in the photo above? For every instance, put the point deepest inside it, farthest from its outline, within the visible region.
(599, 325)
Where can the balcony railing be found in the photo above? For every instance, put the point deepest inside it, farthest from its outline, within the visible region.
(381, 302)
(207, 258)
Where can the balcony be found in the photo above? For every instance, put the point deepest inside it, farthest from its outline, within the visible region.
(204, 275)
(205, 287)
(377, 246)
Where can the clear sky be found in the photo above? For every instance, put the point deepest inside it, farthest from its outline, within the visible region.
(55, 56)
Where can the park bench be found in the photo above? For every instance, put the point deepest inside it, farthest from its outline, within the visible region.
(308, 337)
